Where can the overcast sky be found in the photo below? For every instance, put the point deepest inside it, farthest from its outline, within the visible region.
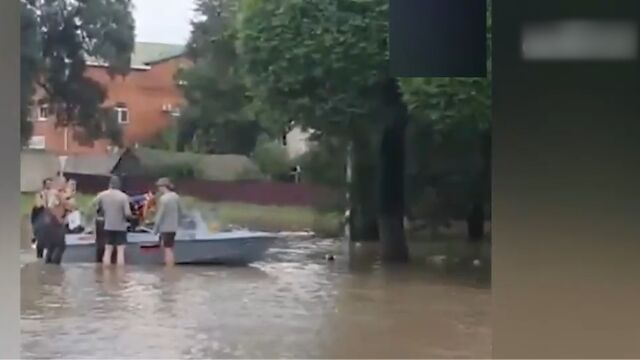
(165, 21)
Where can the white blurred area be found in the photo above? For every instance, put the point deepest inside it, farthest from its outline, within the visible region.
(575, 40)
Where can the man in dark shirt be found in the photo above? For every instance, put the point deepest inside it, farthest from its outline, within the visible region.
(37, 213)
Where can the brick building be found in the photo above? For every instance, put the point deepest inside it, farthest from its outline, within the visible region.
(146, 101)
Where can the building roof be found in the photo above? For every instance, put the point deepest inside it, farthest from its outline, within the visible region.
(92, 164)
(36, 165)
(148, 53)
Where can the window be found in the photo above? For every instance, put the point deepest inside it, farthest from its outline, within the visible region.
(122, 113)
(37, 142)
(43, 112)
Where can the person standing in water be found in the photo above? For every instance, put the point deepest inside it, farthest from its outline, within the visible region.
(58, 208)
(167, 221)
(37, 217)
(114, 205)
(74, 217)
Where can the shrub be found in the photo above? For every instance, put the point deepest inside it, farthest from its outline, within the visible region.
(324, 164)
(272, 158)
(177, 171)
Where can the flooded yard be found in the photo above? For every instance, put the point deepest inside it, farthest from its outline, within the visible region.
(293, 304)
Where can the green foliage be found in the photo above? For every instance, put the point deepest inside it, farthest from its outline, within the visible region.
(447, 158)
(216, 119)
(452, 103)
(165, 140)
(445, 102)
(176, 171)
(445, 154)
(316, 63)
(324, 65)
(271, 158)
(30, 53)
(250, 173)
(324, 164)
(70, 33)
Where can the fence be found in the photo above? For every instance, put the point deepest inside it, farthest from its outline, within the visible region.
(250, 192)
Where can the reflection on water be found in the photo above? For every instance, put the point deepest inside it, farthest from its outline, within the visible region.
(294, 304)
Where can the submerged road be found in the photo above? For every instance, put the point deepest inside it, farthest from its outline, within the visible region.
(294, 304)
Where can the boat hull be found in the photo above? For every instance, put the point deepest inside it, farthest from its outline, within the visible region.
(232, 248)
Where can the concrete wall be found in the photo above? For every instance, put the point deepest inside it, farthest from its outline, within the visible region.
(36, 166)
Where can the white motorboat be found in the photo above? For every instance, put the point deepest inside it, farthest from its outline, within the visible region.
(195, 244)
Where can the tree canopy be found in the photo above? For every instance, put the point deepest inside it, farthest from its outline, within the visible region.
(216, 118)
(30, 55)
(70, 33)
(313, 62)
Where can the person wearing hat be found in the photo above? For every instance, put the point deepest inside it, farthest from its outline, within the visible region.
(167, 220)
(113, 205)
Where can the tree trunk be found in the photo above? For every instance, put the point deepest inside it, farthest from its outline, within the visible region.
(185, 131)
(476, 218)
(362, 220)
(391, 181)
(391, 189)
(475, 222)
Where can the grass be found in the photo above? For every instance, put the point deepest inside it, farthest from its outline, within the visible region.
(270, 218)
(255, 217)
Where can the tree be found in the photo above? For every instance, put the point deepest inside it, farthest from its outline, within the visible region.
(272, 158)
(70, 33)
(323, 65)
(443, 167)
(30, 62)
(216, 119)
(459, 111)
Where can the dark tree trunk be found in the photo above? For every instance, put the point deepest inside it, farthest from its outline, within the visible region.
(475, 222)
(476, 218)
(185, 133)
(363, 219)
(391, 181)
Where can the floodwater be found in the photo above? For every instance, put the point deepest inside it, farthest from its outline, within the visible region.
(295, 304)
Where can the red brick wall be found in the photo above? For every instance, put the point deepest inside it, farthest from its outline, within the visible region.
(143, 91)
(248, 192)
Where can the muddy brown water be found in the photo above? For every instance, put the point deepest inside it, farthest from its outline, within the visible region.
(294, 304)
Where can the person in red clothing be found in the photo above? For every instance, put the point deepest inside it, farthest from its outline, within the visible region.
(149, 205)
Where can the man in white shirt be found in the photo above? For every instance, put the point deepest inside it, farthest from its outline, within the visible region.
(114, 205)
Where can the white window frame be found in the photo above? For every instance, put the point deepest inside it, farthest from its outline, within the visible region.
(39, 116)
(175, 112)
(119, 111)
(34, 145)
